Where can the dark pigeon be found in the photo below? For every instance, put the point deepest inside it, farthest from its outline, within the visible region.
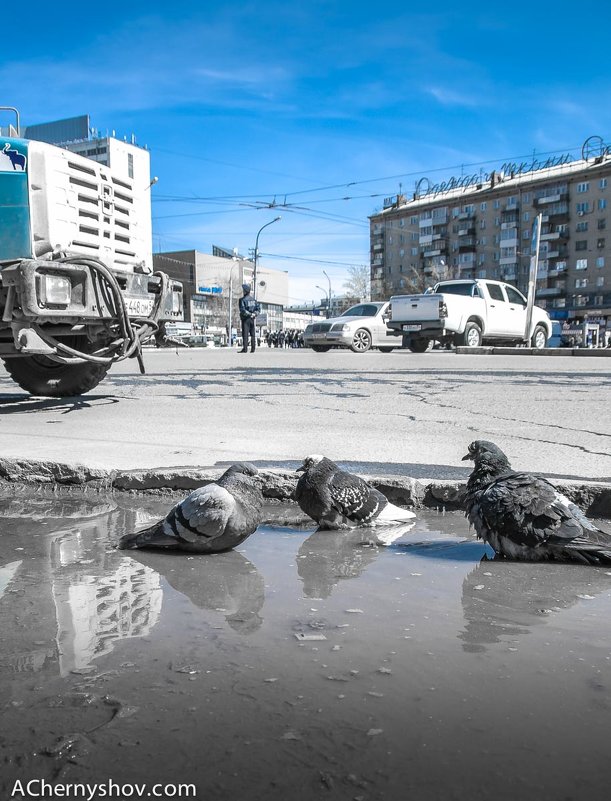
(337, 499)
(213, 518)
(523, 516)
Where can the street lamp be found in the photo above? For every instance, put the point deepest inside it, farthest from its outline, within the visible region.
(327, 296)
(254, 277)
(329, 306)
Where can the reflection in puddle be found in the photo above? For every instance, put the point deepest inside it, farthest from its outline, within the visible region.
(503, 600)
(224, 582)
(326, 557)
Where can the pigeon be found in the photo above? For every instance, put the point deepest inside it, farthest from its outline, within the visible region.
(523, 516)
(213, 518)
(337, 499)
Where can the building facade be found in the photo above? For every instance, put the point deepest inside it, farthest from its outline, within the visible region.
(481, 226)
(212, 287)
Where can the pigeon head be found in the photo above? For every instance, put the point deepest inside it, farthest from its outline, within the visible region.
(310, 461)
(245, 468)
(483, 452)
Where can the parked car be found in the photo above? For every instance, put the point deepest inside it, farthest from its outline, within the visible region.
(467, 312)
(359, 328)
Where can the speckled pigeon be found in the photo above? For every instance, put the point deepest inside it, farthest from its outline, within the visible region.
(213, 518)
(337, 499)
(523, 516)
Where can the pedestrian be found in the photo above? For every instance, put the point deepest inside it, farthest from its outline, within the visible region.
(249, 309)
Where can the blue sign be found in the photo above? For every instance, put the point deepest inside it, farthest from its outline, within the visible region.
(210, 290)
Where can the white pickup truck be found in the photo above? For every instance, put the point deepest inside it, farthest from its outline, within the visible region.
(467, 312)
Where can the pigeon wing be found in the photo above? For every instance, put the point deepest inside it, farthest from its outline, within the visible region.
(529, 511)
(203, 513)
(353, 497)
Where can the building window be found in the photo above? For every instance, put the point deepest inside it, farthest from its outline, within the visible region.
(414, 236)
(496, 204)
(482, 206)
(526, 197)
(582, 207)
(581, 244)
(413, 221)
(602, 184)
(401, 252)
(581, 227)
(580, 300)
(598, 300)
(602, 203)
(600, 280)
(600, 261)
(583, 187)
(401, 222)
(581, 283)
(414, 251)
(600, 243)
(581, 264)
(526, 233)
(602, 224)
(130, 165)
(511, 201)
(497, 220)
(482, 224)
(526, 216)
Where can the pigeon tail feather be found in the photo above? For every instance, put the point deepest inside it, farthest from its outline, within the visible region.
(154, 536)
(394, 513)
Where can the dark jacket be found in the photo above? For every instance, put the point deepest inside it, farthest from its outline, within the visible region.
(248, 307)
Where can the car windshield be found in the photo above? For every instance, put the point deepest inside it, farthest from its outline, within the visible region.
(362, 310)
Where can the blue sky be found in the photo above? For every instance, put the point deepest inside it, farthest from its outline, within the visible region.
(325, 106)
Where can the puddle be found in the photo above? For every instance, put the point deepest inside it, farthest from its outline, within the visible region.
(302, 663)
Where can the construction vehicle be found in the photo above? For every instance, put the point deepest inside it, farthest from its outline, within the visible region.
(77, 287)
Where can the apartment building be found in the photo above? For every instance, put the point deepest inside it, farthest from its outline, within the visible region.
(481, 226)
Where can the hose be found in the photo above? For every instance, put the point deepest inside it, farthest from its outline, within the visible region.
(131, 334)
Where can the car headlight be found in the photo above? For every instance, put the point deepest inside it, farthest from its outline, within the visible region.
(55, 290)
(340, 327)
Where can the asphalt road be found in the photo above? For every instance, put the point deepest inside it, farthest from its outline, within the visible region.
(398, 413)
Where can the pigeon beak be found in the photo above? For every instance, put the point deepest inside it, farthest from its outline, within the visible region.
(301, 469)
(466, 458)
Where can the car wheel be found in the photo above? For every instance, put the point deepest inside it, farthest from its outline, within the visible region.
(472, 336)
(361, 341)
(419, 345)
(321, 348)
(386, 350)
(539, 338)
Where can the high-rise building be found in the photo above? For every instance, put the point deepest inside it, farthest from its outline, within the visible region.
(481, 226)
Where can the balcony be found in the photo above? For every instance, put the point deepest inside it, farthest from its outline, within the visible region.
(505, 226)
(557, 198)
(377, 261)
(467, 243)
(507, 261)
(466, 231)
(466, 215)
(378, 246)
(549, 292)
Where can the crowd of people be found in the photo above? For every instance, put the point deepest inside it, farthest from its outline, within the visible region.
(291, 338)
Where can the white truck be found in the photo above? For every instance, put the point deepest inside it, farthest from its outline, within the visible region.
(467, 312)
(77, 287)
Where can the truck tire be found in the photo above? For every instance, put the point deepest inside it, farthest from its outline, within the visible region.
(41, 376)
(384, 349)
(472, 335)
(419, 345)
(321, 348)
(361, 342)
(539, 337)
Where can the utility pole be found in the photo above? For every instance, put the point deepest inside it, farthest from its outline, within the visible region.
(329, 304)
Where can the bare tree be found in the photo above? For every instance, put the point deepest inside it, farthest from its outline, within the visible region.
(357, 285)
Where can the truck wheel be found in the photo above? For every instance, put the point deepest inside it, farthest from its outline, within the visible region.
(539, 337)
(472, 336)
(41, 376)
(385, 350)
(361, 341)
(419, 345)
(321, 348)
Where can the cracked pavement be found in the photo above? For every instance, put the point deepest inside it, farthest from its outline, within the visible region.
(399, 413)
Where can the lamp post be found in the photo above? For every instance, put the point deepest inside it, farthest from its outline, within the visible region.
(254, 276)
(329, 304)
(327, 296)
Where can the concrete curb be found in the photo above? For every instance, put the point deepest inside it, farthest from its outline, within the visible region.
(277, 485)
(494, 350)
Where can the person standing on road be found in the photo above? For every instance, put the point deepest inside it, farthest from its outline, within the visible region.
(249, 309)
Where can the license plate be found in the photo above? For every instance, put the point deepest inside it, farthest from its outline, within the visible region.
(139, 306)
(412, 327)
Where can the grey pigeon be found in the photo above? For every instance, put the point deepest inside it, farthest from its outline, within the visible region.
(213, 518)
(523, 516)
(338, 499)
